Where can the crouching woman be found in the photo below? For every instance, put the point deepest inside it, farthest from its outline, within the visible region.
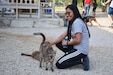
(76, 46)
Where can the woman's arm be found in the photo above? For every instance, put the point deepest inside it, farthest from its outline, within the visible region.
(108, 1)
(60, 38)
(77, 40)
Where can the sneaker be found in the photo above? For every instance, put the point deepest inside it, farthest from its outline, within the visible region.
(86, 63)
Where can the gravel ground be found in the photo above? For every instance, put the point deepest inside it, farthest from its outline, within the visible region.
(14, 41)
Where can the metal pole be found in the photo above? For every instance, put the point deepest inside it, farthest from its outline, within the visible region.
(2, 12)
(53, 9)
(17, 15)
(39, 12)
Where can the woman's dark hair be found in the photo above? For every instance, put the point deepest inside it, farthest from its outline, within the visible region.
(75, 10)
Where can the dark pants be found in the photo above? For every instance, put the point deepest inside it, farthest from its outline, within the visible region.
(70, 58)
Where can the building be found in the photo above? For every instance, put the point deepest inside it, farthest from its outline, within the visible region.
(17, 7)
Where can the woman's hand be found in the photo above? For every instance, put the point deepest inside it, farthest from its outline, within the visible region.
(59, 39)
(64, 42)
(52, 43)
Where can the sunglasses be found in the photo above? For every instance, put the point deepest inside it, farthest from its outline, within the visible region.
(67, 13)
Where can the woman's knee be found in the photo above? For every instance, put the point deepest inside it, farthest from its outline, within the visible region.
(60, 66)
(59, 45)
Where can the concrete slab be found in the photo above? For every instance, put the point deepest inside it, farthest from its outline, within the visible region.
(36, 22)
(27, 21)
(21, 23)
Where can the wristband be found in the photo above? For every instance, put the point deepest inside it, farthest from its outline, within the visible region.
(67, 43)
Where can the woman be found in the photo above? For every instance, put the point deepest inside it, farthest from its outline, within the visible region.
(110, 11)
(83, 10)
(74, 2)
(78, 41)
(87, 7)
(94, 7)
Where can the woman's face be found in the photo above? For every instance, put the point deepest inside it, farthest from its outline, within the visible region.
(69, 14)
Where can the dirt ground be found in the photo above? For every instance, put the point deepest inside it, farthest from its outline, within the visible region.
(14, 41)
